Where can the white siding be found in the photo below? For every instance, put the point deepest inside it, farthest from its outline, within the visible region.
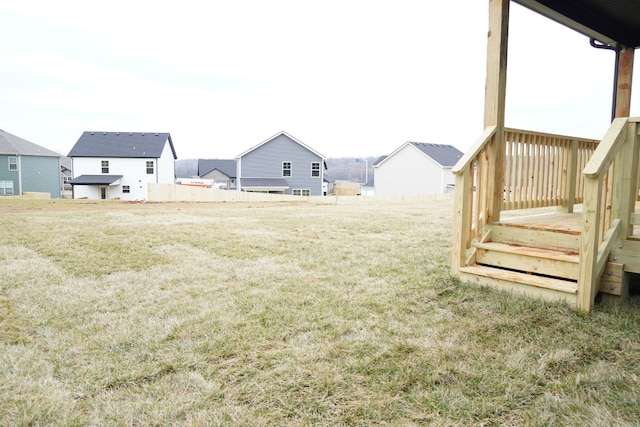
(409, 171)
(133, 171)
(166, 166)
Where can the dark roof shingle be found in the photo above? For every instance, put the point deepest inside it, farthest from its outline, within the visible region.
(226, 166)
(445, 155)
(122, 145)
(95, 179)
(11, 144)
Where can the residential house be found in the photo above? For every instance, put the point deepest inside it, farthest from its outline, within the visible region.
(281, 164)
(416, 168)
(221, 171)
(66, 173)
(119, 165)
(27, 167)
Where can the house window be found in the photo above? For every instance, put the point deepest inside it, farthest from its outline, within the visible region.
(286, 168)
(6, 188)
(315, 169)
(105, 166)
(301, 192)
(150, 167)
(126, 189)
(13, 163)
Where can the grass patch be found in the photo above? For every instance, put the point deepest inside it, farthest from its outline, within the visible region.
(238, 314)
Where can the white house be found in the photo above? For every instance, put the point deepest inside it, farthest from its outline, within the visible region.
(416, 168)
(119, 165)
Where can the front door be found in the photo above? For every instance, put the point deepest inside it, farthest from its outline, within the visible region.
(103, 193)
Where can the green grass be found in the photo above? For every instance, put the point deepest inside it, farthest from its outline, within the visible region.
(286, 314)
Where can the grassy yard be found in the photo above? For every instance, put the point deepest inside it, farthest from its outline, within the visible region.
(143, 314)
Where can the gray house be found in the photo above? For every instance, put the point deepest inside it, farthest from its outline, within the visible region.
(281, 164)
(27, 167)
(416, 168)
(222, 171)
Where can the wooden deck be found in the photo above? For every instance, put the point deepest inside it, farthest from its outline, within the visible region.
(549, 219)
(570, 223)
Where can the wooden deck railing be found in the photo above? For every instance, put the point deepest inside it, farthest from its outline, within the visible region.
(540, 170)
(471, 203)
(544, 169)
(610, 192)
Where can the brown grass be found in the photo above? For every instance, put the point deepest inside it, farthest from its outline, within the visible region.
(285, 314)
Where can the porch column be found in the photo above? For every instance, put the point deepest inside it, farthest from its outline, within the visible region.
(623, 87)
(494, 104)
(626, 178)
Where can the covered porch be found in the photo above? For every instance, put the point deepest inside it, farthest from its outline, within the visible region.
(553, 216)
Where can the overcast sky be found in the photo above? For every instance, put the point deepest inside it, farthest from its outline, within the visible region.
(346, 77)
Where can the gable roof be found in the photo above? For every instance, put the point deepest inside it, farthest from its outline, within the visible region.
(443, 154)
(226, 166)
(288, 136)
(11, 144)
(122, 145)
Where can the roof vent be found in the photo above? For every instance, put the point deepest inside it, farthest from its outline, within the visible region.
(142, 133)
(156, 134)
(91, 133)
(117, 133)
(130, 134)
(104, 133)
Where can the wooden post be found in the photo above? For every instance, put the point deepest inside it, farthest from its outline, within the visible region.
(625, 181)
(624, 79)
(587, 280)
(494, 104)
(461, 219)
(572, 177)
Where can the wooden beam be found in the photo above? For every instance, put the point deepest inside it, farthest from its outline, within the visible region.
(461, 219)
(588, 275)
(612, 279)
(470, 156)
(494, 102)
(496, 83)
(603, 157)
(624, 80)
(625, 182)
(572, 177)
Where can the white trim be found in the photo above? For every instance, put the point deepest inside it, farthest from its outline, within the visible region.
(290, 169)
(312, 170)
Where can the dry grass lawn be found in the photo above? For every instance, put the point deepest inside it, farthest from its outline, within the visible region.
(126, 314)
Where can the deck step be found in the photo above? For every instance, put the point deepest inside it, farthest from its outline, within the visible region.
(561, 240)
(529, 260)
(548, 283)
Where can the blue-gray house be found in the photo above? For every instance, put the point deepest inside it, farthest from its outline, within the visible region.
(221, 171)
(27, 167)
(281, 164)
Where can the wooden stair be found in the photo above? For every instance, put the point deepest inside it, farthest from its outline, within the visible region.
(537, 260)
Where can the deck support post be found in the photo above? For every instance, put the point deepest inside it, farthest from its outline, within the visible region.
(494, 105)
(625, 186)
(571, 178)
(587, 277)
(624, 79)
(461, 216)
